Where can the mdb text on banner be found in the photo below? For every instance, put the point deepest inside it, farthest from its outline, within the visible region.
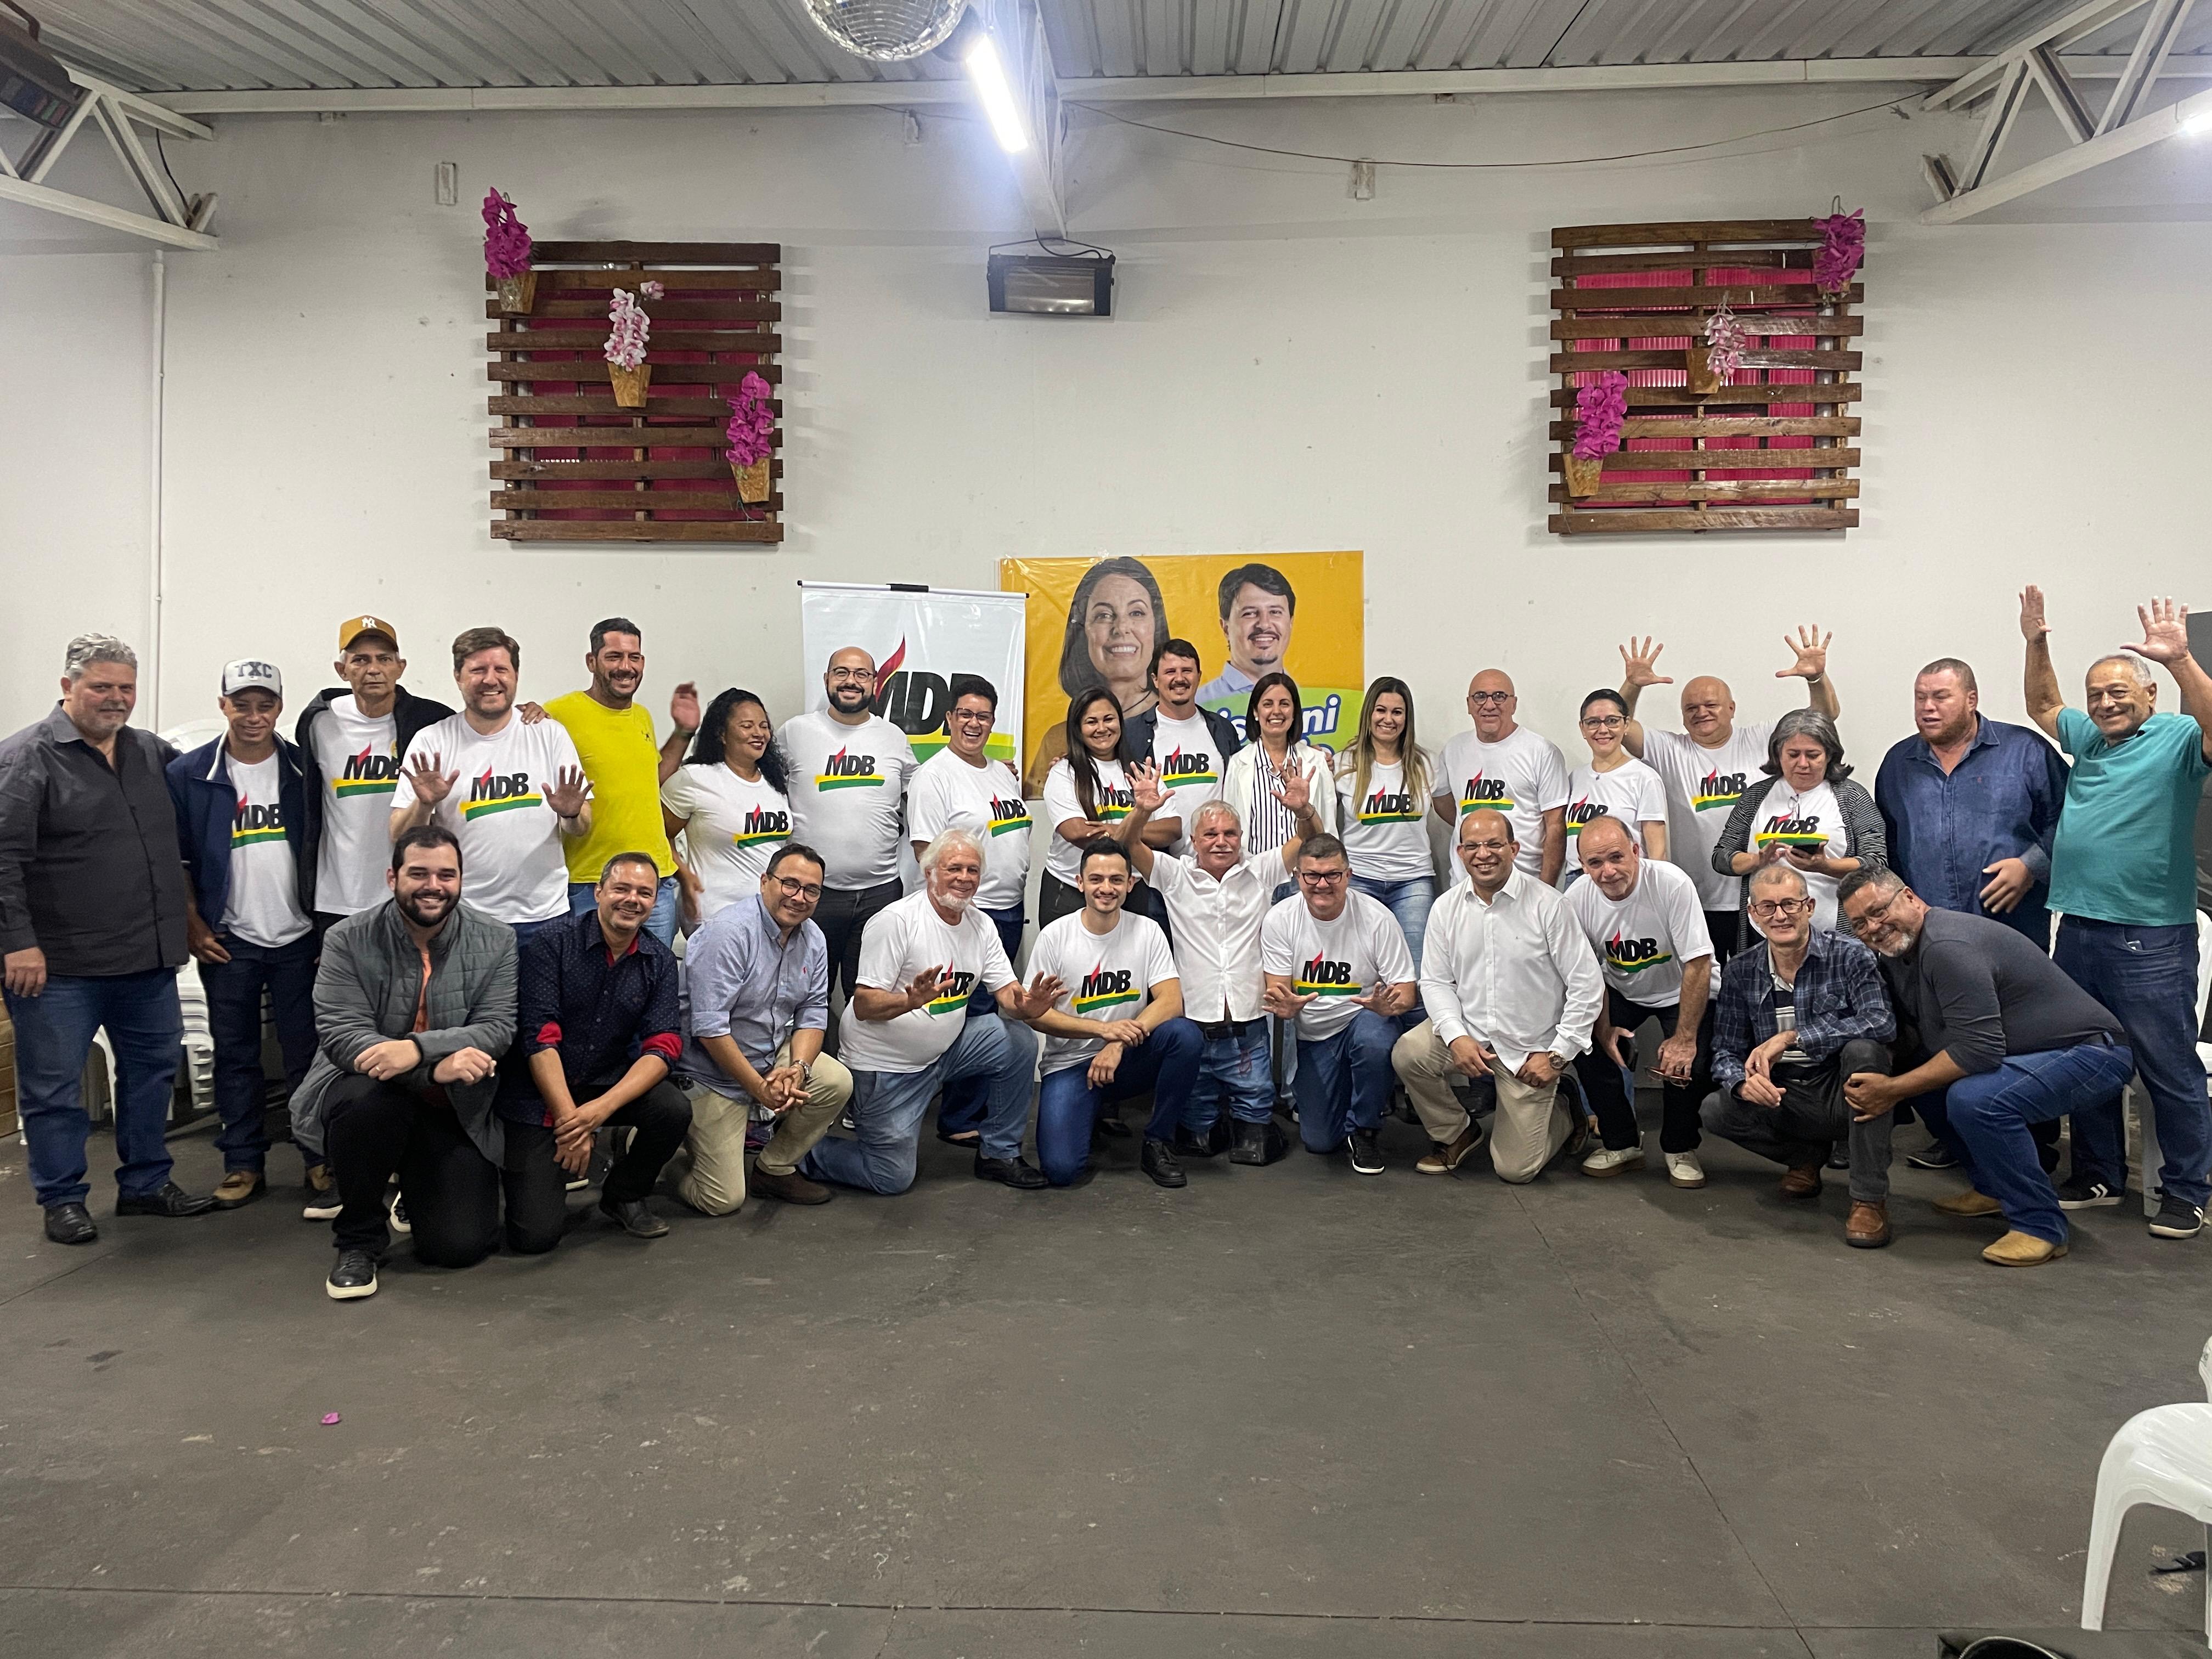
(920, 638)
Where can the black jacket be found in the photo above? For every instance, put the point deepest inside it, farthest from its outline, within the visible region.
(409, 713)
(1137, 736)
(207, 801)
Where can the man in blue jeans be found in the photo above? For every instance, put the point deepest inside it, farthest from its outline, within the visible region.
(92, 933)
(2123, 876)
(247, 838)
(2006, 1040)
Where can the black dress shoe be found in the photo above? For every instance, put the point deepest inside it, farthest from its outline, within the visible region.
(1011, 1171)
(1212, 1143)
(1259, 1143)
(168, 1198)
(1159, 1161)
(70, 1223)
(634, 1219)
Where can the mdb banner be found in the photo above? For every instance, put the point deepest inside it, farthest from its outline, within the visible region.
(1101, 621)
(920, 638)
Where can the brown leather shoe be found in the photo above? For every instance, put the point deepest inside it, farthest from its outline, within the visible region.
(240, 1187)
(1803, 1180)
(2018, 1249)
(1969, 1203)
(1442, 1160)
(793, 1188)
(1868, 1227)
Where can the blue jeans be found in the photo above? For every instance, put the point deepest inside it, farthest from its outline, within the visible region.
(888, 1107)
(1409, 901)
(1344, 1081)
(1166, 1062)
(965, 1103)
(53, 1037)
(234, 1003)
(2146, 977)
(1988, 1115)
(661, 923)
(1236, 1068)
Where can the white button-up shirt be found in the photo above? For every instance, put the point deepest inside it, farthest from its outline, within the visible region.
(1214, 928)
(1515, 973)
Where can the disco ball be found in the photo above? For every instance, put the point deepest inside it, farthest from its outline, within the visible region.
(886, 31)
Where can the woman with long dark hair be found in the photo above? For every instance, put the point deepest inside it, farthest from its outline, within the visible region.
(1383, 784)
(1274, 744)
(1085, 795)
(730, 803)
(1117, 622)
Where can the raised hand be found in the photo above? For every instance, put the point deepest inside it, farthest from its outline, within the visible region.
(431, 785)
(2032, 624)
(567, 794)
(926, 985)
(1045, 990)
(1284, 1003)
(1640, 664)
(684, 707)
(2166, 631)
(1145, 787)
(1811, 645)
(1296, 792)
(1388, 1000)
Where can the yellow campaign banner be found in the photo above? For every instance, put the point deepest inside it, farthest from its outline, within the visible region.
(1102, 621)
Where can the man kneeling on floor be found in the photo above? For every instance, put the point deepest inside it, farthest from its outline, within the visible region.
(1115, 1029)
(759, 975)
(599, 1036)
(2007, 1040)
(1512, 992)
(1802, 1011)
(906, 1033)
(414, 1005)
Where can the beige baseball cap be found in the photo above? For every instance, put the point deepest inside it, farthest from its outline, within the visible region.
(354, 627)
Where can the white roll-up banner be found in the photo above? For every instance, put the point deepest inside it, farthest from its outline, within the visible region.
(921, 637)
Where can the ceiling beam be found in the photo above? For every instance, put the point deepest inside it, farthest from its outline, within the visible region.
(2143, 130)
(2057, 34)
(99, 213)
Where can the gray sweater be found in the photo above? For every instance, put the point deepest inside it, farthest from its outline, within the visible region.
(366, 991)
(1981, 991)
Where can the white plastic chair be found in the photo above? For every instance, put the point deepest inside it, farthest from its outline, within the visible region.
(2162, 1456)
(2145, 1119)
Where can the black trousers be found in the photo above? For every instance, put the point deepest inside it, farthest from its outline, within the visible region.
(1725, 927)
(841, 915)
(537, 1187)
(374, 1130)
(1680, 1101)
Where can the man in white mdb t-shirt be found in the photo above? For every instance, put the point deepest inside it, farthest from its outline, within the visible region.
(849, 771)
(1708, 764)
(509, 791)
(906, 1031)
(1504, 766)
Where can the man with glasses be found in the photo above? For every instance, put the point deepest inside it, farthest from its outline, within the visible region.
(758, 977)
(1337, 965)
(1707, 764)
(1502, 767)
(2004, 1039)
(1512, 992)
(849, 769)
(1803, 1012)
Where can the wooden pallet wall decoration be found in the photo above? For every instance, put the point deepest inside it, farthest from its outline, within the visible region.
(1773, 448)
(656, 474)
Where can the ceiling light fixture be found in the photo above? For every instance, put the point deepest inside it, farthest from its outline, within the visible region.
(989, 75)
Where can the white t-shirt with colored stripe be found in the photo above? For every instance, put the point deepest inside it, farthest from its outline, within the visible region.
(263, 906)
(512, 866)
(901, 939)
(1643, 941)
(1354, 955)
(847, 784)
(1522, 776)
(1385, 831)
(947, 792)
(1632, 791)
(359, 760)
(1703, 786)
(732, 828)
(1812, 822)
(1109, 976)
(1191, 765)
(1063, 859)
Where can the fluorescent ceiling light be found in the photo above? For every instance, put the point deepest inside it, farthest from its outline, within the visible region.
(2197, 126)
(990, 78)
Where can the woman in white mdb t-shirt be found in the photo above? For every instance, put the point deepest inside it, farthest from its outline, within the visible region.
(1086, 794)
(1382, 786)
(1614, 784)
(731, 802)
(1806, 812)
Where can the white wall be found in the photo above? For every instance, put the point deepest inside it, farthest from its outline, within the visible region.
(1291, 369)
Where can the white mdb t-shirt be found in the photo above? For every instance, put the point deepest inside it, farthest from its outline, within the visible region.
(1703, 786)
(732, 828)
(1063, 859)
(1386, 831)
(1643, 941)
(512, 867)
(359, 760)
(263, 906)
(900, 940)
(1363, 949)
(1632, 791)
(1109, 976)
(847, 784)
(1522, 776)
(948, 793)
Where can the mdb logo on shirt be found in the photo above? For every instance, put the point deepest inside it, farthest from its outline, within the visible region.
(1114, 805)
(499, 792)
(1383, 807)
(1787, 830)
(1580, 812)
(1634, 955)
(367, 774)
(953, 1000)
(249, 824)
(1323, 978)
(1104, 988)
(1182, 768)
(1008, 815)
(1718, 789)
(762, 825)
(1485, 793)
(846, 770)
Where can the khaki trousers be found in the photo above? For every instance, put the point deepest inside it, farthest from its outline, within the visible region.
(1531, 1125)
(710, 1170)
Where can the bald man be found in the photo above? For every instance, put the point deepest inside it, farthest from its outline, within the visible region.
(1502, 767)
(1707, 764)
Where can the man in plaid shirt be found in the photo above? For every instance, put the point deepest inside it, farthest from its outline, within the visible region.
(1802, 1011)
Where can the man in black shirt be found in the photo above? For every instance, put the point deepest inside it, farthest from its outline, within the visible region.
(2005, 1037)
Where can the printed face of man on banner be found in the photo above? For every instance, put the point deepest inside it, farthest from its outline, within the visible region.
(1257, 605)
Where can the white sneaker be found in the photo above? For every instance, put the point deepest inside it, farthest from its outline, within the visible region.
(1684, 1170)
(1612, 1161)
(400, 1225)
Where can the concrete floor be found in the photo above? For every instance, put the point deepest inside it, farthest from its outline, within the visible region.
(1283, 1411)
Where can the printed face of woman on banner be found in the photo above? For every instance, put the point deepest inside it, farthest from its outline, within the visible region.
(1116, 624)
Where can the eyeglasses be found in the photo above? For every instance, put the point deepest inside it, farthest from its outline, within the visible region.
(1605, 722)
(1872, 917)
(863, 675)
(1769, 909)
(1323, 878)
(793, 889)
(1497, 698)
(972, 716)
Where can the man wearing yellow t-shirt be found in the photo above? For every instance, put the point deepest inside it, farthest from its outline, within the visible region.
(625, 766)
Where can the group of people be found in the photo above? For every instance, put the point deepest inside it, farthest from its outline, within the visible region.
(466, 925)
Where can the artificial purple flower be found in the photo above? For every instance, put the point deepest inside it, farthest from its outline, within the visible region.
(1843, 247)
(752, 422)
(632, 329)
(507, 239)
(1600, 406)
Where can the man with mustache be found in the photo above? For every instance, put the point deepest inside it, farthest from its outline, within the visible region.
(414, 1005)
(1257, 608)
(92, 931)
(1190, 745)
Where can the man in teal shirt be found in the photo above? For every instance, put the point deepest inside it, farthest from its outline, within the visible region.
(2124, 879)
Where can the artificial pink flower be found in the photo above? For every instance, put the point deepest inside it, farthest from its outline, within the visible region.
(652, 291)
(1843, 248)
(508, 246)
(752, 424)
(1726, 341)
(626, 345)
(1600, 406)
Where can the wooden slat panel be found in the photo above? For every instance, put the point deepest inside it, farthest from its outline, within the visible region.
(1694, 230)
(1671, 324)
(600, 282)
(1740, 426)
(631, 530)
(719, 253)
(1663, 299)
(698, 312)
(604, 437)
(582, 403)
(1677, 397)
(1722, 460)
(595, 368)
(1574, 362)
(701, 467)
(659, 501)
(1770, 258)
(1630, 521)
(664, 339)
(1746, 490)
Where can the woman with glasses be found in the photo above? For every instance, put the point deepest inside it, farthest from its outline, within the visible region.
(1086, 794)
(730, 802)
(1614, 784)
(1383, 785)
(1275, 747)
(1806, 813)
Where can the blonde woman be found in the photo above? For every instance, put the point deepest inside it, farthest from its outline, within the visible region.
(1383, 784)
